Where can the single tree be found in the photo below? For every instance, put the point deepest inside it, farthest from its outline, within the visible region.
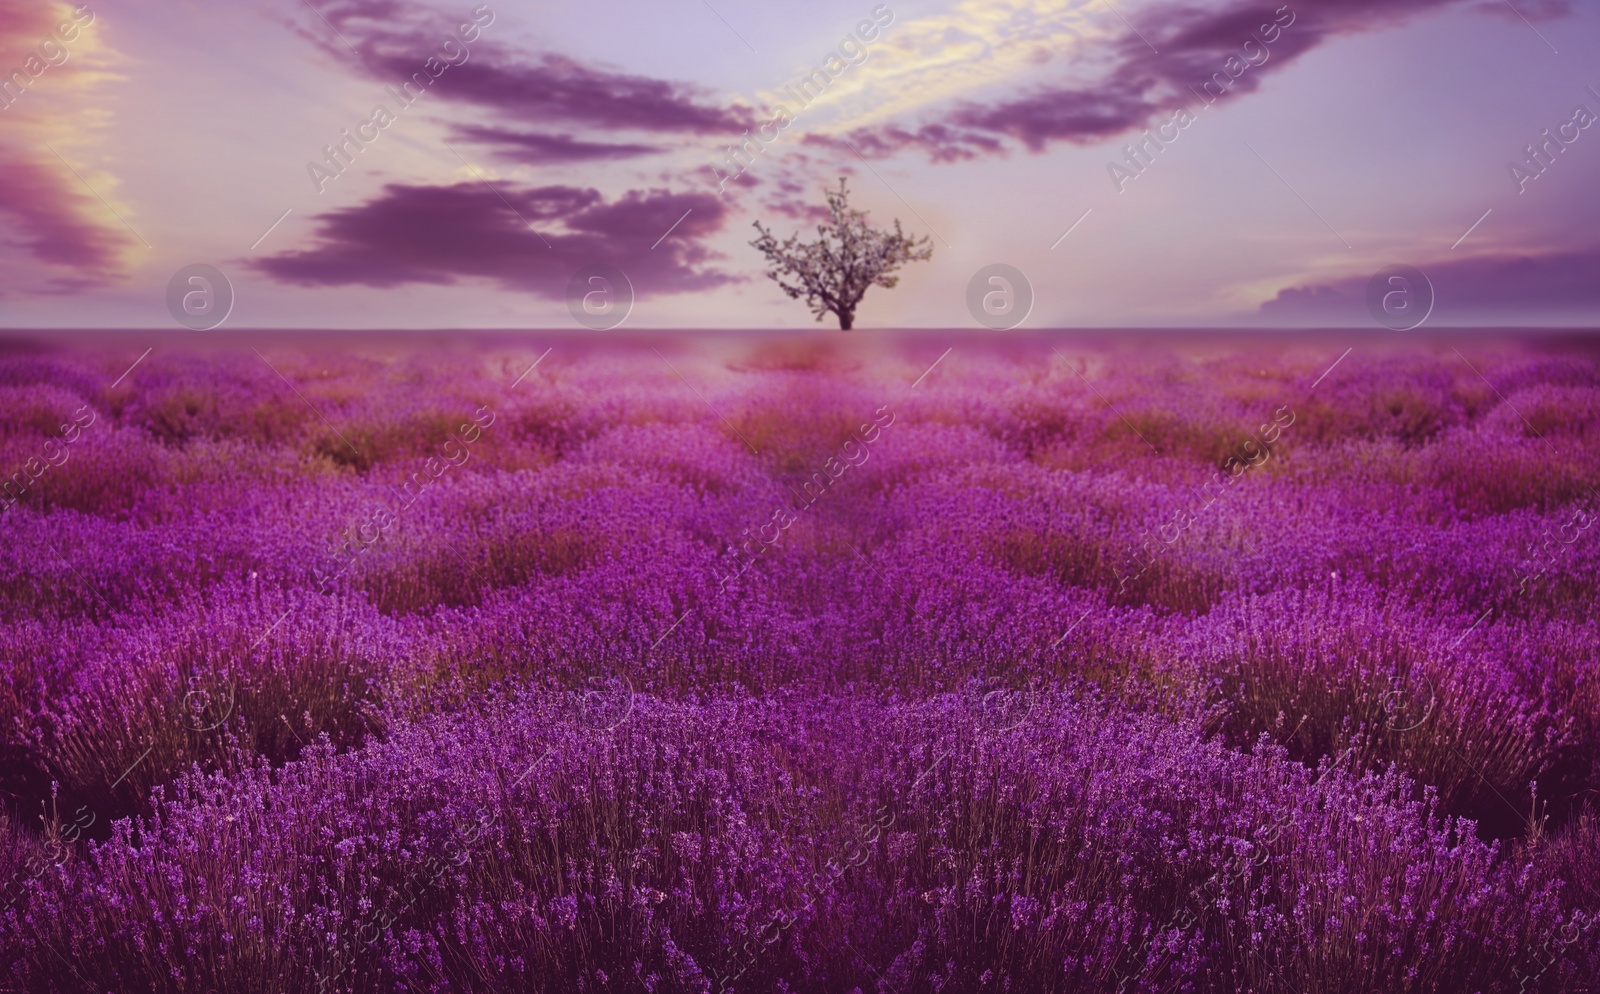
(834, 272)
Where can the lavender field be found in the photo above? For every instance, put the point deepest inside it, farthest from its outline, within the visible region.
(800, 665)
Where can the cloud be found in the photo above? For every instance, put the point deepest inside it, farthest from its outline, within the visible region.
(1138, 74)
(1497, 286)
(531, 148)
(1533, 10)
(47, 211)
(532, 241)
(796, 201)
(554, 87)
(938, 142)
(924, 64)
(47, 216)
(1112, 79)
(536, 88)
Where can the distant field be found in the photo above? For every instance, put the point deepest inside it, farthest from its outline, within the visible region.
(800, 667)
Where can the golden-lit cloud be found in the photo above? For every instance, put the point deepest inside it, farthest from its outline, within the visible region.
(919, 62)
(56, 208)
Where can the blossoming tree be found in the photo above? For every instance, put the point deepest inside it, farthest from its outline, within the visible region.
(834, 272)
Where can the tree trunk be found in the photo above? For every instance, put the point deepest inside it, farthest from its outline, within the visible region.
(846, 319)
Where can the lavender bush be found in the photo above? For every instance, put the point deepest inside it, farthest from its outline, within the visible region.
(438, 674)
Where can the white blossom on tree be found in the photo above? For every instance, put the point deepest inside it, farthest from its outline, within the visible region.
(834, 272)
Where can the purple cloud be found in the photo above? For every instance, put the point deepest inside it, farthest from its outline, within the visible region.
(531, 241)
(516, 85)
(938, 142)
(518, 146)
(1533, 10)
(45, 211)
(556, 87)
(44, 208)
(1232, 45)
(1185, 46)
(1530, 284)
(798, 202)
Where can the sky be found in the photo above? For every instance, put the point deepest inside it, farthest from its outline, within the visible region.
(1290, 154)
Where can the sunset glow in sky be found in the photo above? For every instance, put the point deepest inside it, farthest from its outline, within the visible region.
(1335, 137)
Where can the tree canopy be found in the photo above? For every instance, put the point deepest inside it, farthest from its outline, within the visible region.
(834, 272)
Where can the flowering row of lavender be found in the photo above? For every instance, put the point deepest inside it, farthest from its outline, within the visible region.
(726, 668)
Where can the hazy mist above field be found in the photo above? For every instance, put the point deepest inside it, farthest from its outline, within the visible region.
(538, 138)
